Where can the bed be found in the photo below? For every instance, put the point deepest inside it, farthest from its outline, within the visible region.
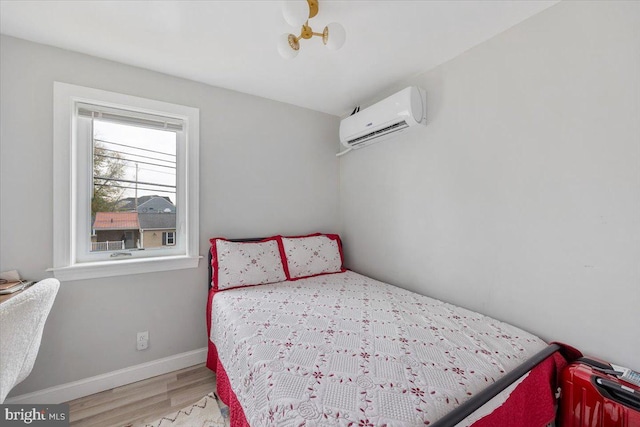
(337, 348)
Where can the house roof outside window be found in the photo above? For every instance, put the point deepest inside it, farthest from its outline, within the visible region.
(116, 221)
(147, 204)
(157, 221)
(156, 205)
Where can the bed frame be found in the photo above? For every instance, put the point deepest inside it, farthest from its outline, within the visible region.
(470, 406)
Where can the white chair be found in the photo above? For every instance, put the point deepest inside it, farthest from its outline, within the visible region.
(22, 319)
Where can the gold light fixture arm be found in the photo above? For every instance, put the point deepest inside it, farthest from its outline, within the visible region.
(313, 8)
(306, 32)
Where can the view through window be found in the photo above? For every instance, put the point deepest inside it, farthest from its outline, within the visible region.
(133, 201)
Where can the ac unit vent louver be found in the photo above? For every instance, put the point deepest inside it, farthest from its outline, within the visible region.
(378, 133)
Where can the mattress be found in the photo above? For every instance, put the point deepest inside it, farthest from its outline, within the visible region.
(346, 350)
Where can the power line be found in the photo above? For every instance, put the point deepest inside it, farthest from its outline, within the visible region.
(133, 182)
(137, 155)
(139, 189)
(155, 171)
(151, 170)
(138, 161)
(122, 156)
(131, 146)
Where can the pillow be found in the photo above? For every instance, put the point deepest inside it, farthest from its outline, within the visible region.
(312, 255)
(236, 264)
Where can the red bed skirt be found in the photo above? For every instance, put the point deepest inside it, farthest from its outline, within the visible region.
(224, 390)
(223, 386)
(531, 404)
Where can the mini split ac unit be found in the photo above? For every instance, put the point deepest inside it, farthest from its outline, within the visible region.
(387, 118)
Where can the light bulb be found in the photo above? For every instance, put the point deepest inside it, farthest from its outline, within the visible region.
(286, 43)
(334, 36)
(295, 12)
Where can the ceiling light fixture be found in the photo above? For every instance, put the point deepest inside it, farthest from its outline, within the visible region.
(297, 13)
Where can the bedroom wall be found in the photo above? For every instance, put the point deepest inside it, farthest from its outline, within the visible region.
(265, 168)
(521, 198)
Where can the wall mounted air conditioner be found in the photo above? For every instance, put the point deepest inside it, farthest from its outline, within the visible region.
(387, 118)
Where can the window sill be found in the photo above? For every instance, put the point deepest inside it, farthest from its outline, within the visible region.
(94, 270)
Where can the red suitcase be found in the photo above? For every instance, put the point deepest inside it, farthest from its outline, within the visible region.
(592, 396)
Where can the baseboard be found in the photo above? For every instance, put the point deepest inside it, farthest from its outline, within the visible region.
(74, 390)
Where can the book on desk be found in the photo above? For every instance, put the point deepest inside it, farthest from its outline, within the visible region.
(9, 289)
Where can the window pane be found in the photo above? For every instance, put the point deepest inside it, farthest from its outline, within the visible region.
(133, 203)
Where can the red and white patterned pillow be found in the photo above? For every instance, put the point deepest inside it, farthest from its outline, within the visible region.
(236, 264)
(308, 256)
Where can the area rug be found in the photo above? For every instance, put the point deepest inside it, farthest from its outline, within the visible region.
(207, 412)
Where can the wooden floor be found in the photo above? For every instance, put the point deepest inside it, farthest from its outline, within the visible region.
(144, 401)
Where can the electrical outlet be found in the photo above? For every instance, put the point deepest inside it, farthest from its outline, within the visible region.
(142, 342)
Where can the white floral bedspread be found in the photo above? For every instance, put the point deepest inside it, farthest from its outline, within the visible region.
(347, 350)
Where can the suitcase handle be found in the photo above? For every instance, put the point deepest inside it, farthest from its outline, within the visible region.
(594, 363)
(618, 392)
(598, 366)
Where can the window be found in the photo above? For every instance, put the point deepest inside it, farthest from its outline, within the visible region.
(169, 238)
(131, 165)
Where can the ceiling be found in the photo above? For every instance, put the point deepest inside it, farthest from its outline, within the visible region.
(232, 44)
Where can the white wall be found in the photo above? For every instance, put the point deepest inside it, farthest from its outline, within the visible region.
(265, 168)
(521, 198)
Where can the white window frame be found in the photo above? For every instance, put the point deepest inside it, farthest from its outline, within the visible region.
(173, 238)
(73, 168)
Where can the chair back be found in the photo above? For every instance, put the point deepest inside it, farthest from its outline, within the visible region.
(22, 320)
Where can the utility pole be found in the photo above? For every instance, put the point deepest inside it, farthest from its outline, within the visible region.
(136, 187)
